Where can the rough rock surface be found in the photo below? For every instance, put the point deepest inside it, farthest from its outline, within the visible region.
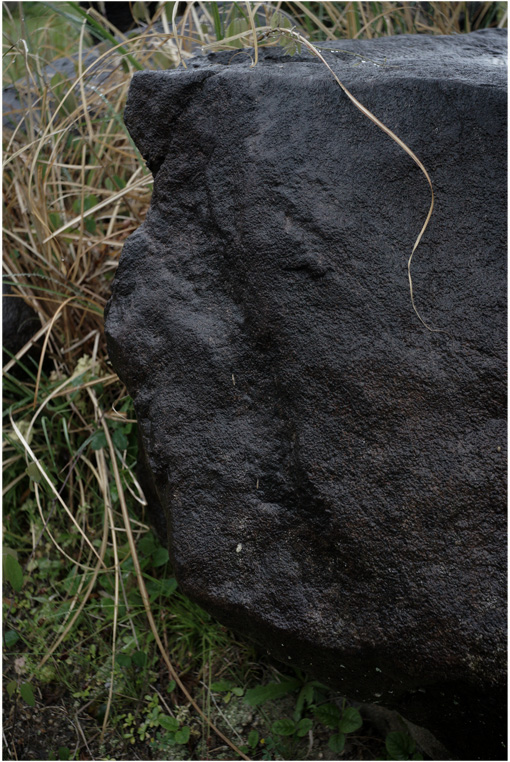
(19, 323)
(332, 474)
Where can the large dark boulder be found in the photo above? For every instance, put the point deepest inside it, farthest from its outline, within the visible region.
(332, 473)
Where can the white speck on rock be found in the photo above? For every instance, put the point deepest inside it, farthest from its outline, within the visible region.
(239, 548)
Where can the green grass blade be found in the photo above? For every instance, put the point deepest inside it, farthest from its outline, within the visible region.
(218, 30)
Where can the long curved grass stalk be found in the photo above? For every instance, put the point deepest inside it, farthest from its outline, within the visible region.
(251, 16)
(100, 29)
(46, 528)
(368, 24)
(91, 585)
(143, 590)
(277, 31)
(176, 36)
(315, 19)
(81, 80)
(46, 478)
(101, 464)
(140, 183)
(48, 133)
(299, 37)
(24, 349)
(74, 601)
(44, 347)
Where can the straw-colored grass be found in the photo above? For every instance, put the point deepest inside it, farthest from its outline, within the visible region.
(90, 602)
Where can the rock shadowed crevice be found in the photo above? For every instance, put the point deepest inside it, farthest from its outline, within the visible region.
(330, 473)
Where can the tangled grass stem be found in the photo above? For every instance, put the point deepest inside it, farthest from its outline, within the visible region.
(279, 31)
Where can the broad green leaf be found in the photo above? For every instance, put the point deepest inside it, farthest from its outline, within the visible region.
(147, 544)
(34, 472)
(399, 745)
(308, 693)
(275, 20)
(305, 696)
(337, 743)
(123, 660)
(182, 735)
(108, 606)
(160, 557)
(90, 225)
(139, 658)
(283, 727)
(351, 720)
(238, 691)
(10, 638)
(11, 688)
(328, 714)
(279, 20)
(55, 220)
(222, 685)
(263, 693)
(98, 441)
(168, 723)
(167, 586)
(304, 726)
(237, 26)
(119, 182)
(120, 440)
(27, 694)
(64, 752)
(253, 738)
(171, 686)
(290, 47)
(89, 202)
(13, 572)
(71, 583)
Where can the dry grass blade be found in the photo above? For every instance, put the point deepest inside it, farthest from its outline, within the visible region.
(176, 36)
(373, 20)
(52, 487)
(315, 20)
(264, 32)
(251, 15)
(25, 348)
(75, 187)
(145, 596)
(45, 345)
(140, 183)
(103, 470)
(85, 598)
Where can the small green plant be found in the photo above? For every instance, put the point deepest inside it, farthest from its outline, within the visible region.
(156, 725)
(12, 571)
(344, 721)
(262, 693)
(288, 727)
(228, 688)
(23, 689)
(401, 746)
(310, 691)
(286, 733)
(63, 753)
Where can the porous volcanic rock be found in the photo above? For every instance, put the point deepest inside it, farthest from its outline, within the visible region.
(332, 473)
